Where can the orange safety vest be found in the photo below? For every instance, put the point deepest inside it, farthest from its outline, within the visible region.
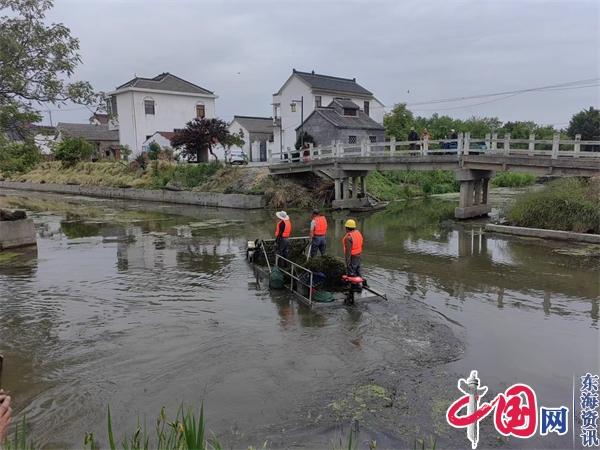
(320, 228)
(357, 242)
(286, 231)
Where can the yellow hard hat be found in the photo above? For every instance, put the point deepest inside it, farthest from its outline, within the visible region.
(350, 223)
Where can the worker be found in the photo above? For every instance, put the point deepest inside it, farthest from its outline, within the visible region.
(5, 415)
(283, 229)
(353, 246)
(318, 232)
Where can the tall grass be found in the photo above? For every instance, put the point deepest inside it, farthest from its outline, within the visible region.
(513, 179)
(569, 204)
(404, 184)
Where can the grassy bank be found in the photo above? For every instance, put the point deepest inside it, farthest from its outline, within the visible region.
(280, 192)
(403, 184)
(568, 204)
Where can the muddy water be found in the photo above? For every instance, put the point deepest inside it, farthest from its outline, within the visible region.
(143, 305)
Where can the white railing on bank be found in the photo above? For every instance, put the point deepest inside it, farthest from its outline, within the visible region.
(464, 144)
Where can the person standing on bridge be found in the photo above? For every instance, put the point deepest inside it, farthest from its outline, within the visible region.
(318, 232)
(413, 136)
(353, 247)
(283, 230)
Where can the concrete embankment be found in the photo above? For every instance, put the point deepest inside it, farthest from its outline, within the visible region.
(544, 234)
(16, 233)
(241, 201)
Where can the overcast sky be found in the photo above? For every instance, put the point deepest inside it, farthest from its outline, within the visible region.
(403, 51)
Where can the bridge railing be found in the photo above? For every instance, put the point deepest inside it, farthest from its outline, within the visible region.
(464, 144)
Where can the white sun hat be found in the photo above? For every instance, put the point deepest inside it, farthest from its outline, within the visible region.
(282, 215)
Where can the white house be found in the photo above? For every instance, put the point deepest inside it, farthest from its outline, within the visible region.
(303, 91)
(256, 132)
(143, 106)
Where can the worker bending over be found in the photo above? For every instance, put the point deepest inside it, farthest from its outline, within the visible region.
(283, 230)
(318, 232)
(353, 246)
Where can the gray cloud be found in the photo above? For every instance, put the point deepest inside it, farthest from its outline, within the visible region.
(407, 51)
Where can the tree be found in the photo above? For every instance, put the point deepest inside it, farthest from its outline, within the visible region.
(73, 150)
(304, 138)
(125, 151)
(398, 122)
(586, 123)
(36, 61)
(196, 140)
(153, 151)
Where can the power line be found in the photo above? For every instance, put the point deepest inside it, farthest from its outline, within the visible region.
(567, 85)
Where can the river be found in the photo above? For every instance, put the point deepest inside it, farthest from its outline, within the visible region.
(140, 306)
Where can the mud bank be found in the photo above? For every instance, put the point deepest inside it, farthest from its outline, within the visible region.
(240, 201)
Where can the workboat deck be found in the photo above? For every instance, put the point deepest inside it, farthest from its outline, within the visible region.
(301, 280)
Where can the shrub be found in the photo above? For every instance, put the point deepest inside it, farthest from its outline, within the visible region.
(70, 151)
(513, 179)
(568, 204)
(16, 157)
(153, 151)
(140, 162)
(186, 175)
(125, 152)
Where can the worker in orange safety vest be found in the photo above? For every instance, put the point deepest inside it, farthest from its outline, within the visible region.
(353, 247)
(283, 230)
(318, 233)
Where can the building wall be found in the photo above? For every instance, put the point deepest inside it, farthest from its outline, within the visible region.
(235, 127)
(171, 111)
(324, 132)
(294, 90)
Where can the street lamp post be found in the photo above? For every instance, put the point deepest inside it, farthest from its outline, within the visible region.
(301, 101)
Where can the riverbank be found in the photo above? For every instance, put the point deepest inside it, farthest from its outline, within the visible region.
(204, 184)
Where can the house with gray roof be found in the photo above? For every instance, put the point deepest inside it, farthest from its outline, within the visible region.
(342, 121)
(256, 132)
(105, 140)
(304, 92)
(143, 106)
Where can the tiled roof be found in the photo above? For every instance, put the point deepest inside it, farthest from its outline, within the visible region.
(165, 82)
(88, 131)
(256, 124)
(346, 103)
(359, 122)
(331, 83)
(167, 134)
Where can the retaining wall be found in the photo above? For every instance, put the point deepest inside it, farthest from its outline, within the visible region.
(544, 234)
(241, 201)
(17, 233)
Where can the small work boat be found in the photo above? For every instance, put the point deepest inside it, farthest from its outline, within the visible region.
(307, 285)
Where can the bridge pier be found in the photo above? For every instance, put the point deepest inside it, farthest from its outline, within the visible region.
(346, 198)
(474, 186)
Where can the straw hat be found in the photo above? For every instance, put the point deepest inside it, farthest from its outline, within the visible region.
(282, 215)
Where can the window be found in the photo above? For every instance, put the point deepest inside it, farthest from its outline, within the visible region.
(349, 112)
(373, 139)
(200, 111)
(317, 101)
(149, 106)
(351, 139)
(366, 107)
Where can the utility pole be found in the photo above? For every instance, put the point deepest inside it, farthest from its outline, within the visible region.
(301, 101)
(50, 116)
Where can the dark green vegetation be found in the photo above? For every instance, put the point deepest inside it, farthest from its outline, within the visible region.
(568, 204)
(16, 157)
(586, 123)
(406, 184)
(400, 120)
(513, 179)
(184, 176)
(71, 151)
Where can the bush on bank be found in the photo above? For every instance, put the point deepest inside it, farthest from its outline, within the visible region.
(16, 157)
(569, 204)
(513, 179)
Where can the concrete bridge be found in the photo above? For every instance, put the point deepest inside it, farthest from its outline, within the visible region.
(474, 161)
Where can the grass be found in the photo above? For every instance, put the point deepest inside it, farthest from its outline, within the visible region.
(568, 204)
(187, 431)
(513, 179)
(404, 184)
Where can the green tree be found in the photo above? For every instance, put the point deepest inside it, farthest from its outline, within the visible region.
(199, 136)
(36, 60)
(125, 151)
(586, 123)
(153, 151)
(70, 151)
(18, 156)
(304, 138)
(398, 122)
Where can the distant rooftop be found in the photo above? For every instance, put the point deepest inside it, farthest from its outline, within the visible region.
(166, 82)
(256, 124)
(333, 114)
(331, 83)
(88, 131)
